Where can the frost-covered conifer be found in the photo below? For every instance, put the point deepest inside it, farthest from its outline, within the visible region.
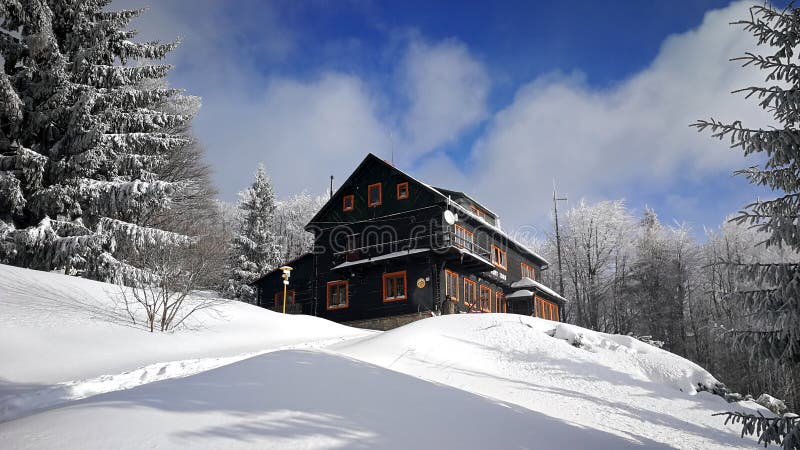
(291, 217)
(768, 291)
(256, 249)
(771, 294)
(84, 138)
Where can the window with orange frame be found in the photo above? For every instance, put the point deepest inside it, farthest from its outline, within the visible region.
(451, 284)
(499, 257)
(402, 190)
(527, 271)
(486, 298)
(545, 309)
(394, 286)
(470, 288)
(336, 296)
(500, 301)
(374, 195)
(348, 203)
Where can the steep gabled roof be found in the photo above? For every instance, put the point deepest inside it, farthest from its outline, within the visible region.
(371, 158)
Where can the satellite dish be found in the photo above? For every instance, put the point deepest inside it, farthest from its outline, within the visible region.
(449, 217)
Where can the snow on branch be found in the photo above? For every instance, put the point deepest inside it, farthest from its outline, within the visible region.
(143, 121)
(130, 98)
(112, 198)
(116, 76)
(144, 143)
(126, 50)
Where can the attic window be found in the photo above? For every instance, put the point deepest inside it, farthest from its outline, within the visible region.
(499, 257)
(477, 211)
(374, 196)
(347, 203)
(402, 191)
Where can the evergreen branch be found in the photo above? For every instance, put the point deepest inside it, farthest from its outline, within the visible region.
(783, 430)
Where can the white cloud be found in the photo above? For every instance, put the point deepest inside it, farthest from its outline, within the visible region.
(594, 141)
(302, 131)
(306, 130)
(447, 88)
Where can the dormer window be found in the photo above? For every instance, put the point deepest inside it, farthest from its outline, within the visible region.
(477, 211)
(374, 196)
(402, 191)
(348, 203)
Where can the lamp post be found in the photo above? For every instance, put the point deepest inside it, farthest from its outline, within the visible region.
(287, 272)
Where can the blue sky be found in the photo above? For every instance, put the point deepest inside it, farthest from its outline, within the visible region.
(499, 100)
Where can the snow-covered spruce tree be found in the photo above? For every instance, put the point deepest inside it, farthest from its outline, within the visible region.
(769, 292)
(255, 248)
(83, 140)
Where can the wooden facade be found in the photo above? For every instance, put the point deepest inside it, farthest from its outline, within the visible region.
(383, 247)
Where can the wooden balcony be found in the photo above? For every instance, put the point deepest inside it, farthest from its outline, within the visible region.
(464, 252)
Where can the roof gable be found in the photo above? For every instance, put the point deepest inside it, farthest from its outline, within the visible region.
(372, 170)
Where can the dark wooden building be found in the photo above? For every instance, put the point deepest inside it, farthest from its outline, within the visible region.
(389, 249)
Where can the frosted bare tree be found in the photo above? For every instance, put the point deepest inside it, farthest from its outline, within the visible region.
(166, 293)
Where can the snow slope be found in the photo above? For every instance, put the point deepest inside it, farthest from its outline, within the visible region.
(63, 338)
(299, 399)
(613, 384)
(247, 377)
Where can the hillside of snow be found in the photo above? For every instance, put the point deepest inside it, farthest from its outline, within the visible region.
(241, 376)
(64, 337)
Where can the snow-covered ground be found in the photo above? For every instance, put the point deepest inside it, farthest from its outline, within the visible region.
(63, 338)
(242, 376)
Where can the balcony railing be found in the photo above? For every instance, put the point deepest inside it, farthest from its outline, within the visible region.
(440, 241)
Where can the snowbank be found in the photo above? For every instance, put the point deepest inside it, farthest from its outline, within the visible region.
(614, 384)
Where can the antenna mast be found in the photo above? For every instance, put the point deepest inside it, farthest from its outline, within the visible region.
(556, 199)
(331, 192)
(391, 141)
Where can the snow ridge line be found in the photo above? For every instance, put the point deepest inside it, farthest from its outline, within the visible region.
(17, 406)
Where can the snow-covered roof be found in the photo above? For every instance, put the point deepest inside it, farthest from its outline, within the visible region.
(527, 282)
(520, 293)
(467, 196)
(278, 269)
(381, 257)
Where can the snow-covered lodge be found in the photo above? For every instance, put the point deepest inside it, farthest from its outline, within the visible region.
(390, 249)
